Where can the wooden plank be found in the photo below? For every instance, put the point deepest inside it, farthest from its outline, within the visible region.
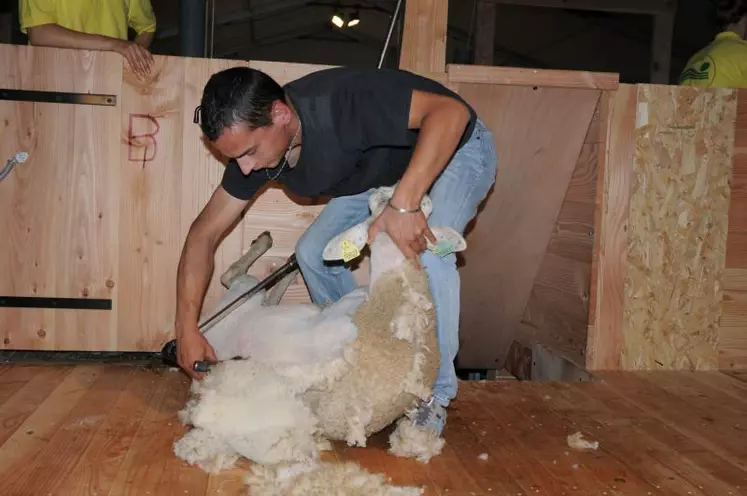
(60, 239)
(150, 241)
(530, 411)
(539, 134)
(619, 6)
(517, 76)
(424, 36)
(67, 444)
(614, 180)
(672, 462)
(695, 420)
(485, 18)
(661, 48)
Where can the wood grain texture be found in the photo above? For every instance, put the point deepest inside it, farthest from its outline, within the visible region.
(109, 430)
(519, 76)
(104, 204)
(60, 227)
(557, 312)
(732, 345)
(614, 179)
(539, 134)
(424, 36)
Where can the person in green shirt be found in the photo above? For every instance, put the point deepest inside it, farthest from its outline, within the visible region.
(723, 62)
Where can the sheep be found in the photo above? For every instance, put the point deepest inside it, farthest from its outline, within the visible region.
(309, 375)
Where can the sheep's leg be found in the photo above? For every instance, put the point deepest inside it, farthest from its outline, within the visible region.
(275, 294)
(259, 246)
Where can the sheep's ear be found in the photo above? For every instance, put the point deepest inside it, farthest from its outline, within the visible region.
(348, 245)
(448, 241)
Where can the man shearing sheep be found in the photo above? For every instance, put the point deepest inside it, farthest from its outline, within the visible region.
(340, 133)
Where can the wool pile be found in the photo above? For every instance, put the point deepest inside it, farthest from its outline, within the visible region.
(307, 375)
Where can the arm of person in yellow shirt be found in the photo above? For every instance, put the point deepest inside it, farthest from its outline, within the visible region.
(141, 18)
(38, 19)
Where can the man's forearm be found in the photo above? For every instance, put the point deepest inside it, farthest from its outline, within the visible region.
(439, 136)
(145, 39)
(195, 269)
(58, 36)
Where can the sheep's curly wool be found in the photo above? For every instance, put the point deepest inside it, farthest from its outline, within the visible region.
(397, 360)
(308, 375)
(339, 373)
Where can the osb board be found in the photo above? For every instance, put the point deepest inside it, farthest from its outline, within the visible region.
(103, 206)
(59, 227)
(539, 134)
(677, 227)
(732, 346)
(557, 312)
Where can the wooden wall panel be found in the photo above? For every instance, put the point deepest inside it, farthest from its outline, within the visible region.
(60, 209)
(557, 313)
(127, 181)
(539, 135)
(662, 254)
(732, 346)
(152, 162)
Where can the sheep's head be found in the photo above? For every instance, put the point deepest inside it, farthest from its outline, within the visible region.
(384, 253)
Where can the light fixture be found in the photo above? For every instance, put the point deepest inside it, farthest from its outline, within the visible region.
(354, 19)
(337, 20)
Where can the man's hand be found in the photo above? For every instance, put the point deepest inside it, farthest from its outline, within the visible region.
(191, 346)
(408, 231)
(139, 58)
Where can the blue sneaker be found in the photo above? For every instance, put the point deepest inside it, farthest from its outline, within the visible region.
(430, 415)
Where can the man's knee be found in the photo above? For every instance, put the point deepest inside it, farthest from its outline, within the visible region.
(308, 253)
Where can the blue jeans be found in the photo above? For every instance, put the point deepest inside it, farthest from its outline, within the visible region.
(456, 195)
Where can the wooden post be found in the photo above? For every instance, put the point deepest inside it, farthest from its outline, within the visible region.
(5, 30)
(661, 48)
(485, 33)
(424, 37)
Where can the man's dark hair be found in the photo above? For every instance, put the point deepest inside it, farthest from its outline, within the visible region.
(238, 94)
(729, 11)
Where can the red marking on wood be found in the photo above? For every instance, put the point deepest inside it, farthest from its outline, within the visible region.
(145, 140)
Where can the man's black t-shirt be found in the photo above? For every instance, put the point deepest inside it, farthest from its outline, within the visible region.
(354, 131)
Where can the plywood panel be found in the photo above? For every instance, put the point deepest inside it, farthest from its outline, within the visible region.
(60, 225)
(678, 228)
(557, 312)
(539, 135)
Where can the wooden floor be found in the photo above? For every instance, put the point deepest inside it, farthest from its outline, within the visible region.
(108, 430)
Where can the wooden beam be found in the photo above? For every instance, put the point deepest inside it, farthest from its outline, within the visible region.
(5, 27)
(424, 36)
(621, 6)
(532, 77)
(661, 48)
(485, 33)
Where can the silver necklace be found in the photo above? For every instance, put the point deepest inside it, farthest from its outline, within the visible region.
(285, 157)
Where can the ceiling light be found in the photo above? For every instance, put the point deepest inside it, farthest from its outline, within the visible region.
(354, 19)
(337, 20)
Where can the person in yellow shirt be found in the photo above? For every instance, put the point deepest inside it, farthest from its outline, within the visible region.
(92, 25)
(723, 62)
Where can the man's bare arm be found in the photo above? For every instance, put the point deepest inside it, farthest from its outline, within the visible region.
(54, 35)
(145, 39)
(197, 259)
(57, 36)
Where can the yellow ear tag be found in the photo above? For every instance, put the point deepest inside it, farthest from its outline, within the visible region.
(349, 251)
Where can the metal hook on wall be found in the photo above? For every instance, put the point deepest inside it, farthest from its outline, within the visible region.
(16, 159)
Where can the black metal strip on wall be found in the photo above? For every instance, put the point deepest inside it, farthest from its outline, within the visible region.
(58, 97)
(48, 302)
